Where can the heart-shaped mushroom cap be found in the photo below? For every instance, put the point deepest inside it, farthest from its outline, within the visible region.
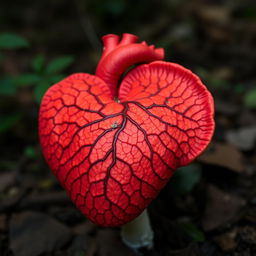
(114, 153)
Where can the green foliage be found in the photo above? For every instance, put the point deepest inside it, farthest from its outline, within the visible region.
(8, 86)
(239, 88)
(41, 79)
(211, 80)
(250, 13)
(218, 84)
(27, 79)
(186, 178)
(8, 121)
(41, 76)
(1, 57)
(49, 73)
(250, 99)
(30, 152)
(58, 65)
(40, 89)
(38, 63)
(192, 231)
(12, 41)
(56, 78)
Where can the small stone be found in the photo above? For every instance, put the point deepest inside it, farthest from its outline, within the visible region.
(109, 243)
(222, 208)
(248, 235)
(227, 241)
(224, 155)
(215, 14)
(191, 250)
(7, 179)
(243, 138)
(80, 245)
(32, 234)
(85, 227)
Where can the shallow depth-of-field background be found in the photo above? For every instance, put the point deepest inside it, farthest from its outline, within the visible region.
(209, 207)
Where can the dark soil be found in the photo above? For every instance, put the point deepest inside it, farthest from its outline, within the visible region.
(214, 216)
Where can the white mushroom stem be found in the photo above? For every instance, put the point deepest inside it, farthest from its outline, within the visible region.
(138, 233)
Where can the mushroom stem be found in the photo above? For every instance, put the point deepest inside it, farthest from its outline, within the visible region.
(138, 233)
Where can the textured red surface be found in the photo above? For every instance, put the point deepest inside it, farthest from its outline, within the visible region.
(113, 156)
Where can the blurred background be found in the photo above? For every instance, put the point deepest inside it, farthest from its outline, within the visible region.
(209, 207)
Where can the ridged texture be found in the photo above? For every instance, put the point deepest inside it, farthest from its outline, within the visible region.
(113, 156)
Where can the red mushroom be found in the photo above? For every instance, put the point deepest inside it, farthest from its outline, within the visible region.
(114, 141)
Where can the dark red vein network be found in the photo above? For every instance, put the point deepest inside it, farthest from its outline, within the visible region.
(114, 156)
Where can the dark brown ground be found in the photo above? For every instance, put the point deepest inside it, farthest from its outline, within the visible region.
(207, 209)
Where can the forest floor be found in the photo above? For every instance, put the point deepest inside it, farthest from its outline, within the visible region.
(208, 208)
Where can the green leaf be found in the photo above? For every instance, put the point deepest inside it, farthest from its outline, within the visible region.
(239, 88)
(8, 121)
(27, 79)
(59, 64)
(30, 152)
(7, 86)
(185, 179)
(40, 90)
(12, 41)
(218, 84)
(38, 63)
(192, 231)
(1, 57)
(250, 12)
(57, 78)
(250, 98)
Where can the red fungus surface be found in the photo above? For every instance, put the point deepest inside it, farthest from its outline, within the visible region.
(113, 142)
